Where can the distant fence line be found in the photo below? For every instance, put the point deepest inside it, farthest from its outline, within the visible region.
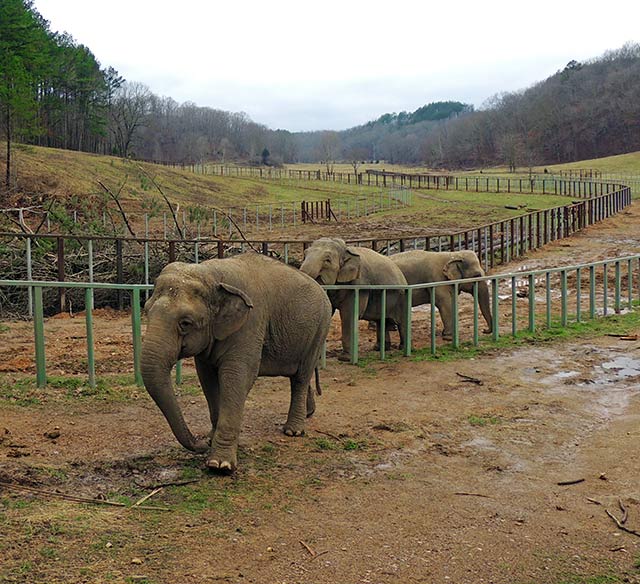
(539, 182)
(597, 288)
(138, 260)
(631, 180)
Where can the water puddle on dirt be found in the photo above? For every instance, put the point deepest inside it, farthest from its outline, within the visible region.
(622, 367)
(612, 381)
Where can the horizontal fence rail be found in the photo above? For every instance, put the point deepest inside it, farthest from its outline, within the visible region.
(520, 301)
(123, 260)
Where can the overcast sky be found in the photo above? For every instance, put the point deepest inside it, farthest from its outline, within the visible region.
(334, 64)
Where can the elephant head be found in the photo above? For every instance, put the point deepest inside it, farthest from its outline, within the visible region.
(189, 311)
(329, 260)
(465, 264)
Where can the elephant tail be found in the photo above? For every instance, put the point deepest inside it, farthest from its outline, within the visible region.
(318, 387)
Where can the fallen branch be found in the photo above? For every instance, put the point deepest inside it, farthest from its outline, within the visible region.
(572, 482)
(74, 498)
(117, 202)
(147, 496)
(169, 484)
(625, 512)
(166, 200)
(473, 495)
(306, 547)
(330, 435)
(468, 379)
(620, 525)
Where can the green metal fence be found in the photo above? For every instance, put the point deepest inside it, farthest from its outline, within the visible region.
(521, 301)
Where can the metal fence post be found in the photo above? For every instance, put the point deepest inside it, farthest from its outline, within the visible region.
(38, 330)
(137, 335)
(355, 317)
(88, 311)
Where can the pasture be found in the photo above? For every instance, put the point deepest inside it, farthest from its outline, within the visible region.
(494, 463)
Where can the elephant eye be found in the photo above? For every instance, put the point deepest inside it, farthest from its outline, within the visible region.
(185, 324)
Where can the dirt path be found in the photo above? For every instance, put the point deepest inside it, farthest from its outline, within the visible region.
(407, 473)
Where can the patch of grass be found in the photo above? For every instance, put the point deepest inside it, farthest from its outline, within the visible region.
(351, 444)
(22, 390)
(56, 473)
(269, 448)
(200, 497)
(4, 328)
(325, 444)
(483, 420)
(48, 553)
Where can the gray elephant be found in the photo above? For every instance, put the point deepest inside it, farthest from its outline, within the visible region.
(331, 261)
(423, 267)
(240, 318)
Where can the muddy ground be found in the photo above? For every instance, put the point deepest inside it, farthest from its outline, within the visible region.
(408, 473)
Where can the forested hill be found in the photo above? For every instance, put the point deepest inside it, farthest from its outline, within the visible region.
(392, 136)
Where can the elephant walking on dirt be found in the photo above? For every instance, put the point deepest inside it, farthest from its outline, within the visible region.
(240, 318)
(331, 261)
(424, 267)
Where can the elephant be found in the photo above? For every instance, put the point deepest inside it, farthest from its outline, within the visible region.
(423, 267)
(329, 260)
(240, 318)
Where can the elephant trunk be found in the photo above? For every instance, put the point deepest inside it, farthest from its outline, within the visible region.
(484, 300)
(156, 367)
(311, 267)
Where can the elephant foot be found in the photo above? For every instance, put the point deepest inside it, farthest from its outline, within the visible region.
(387, 346)
(292, 431)
(346, 357)
(447, 336)
(487, 331)
(222, 461)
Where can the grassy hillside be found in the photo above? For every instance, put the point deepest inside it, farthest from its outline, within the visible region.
(620, 164)
(65, 174)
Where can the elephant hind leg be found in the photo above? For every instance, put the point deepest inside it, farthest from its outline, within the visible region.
(301, 400)
(311, 401)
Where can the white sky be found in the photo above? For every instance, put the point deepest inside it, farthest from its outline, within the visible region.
(334, 64)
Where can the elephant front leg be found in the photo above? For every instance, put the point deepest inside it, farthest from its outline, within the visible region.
(208, 376)
(235, 381)
(444, 302)
(346, 317)
(347, 324)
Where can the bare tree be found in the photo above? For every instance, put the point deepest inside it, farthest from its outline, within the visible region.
(356, 155)
(129, 113)
(329, 149)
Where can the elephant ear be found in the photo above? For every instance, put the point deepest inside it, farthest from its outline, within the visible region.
(349, 266)
(233, 311)
(453, 269)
